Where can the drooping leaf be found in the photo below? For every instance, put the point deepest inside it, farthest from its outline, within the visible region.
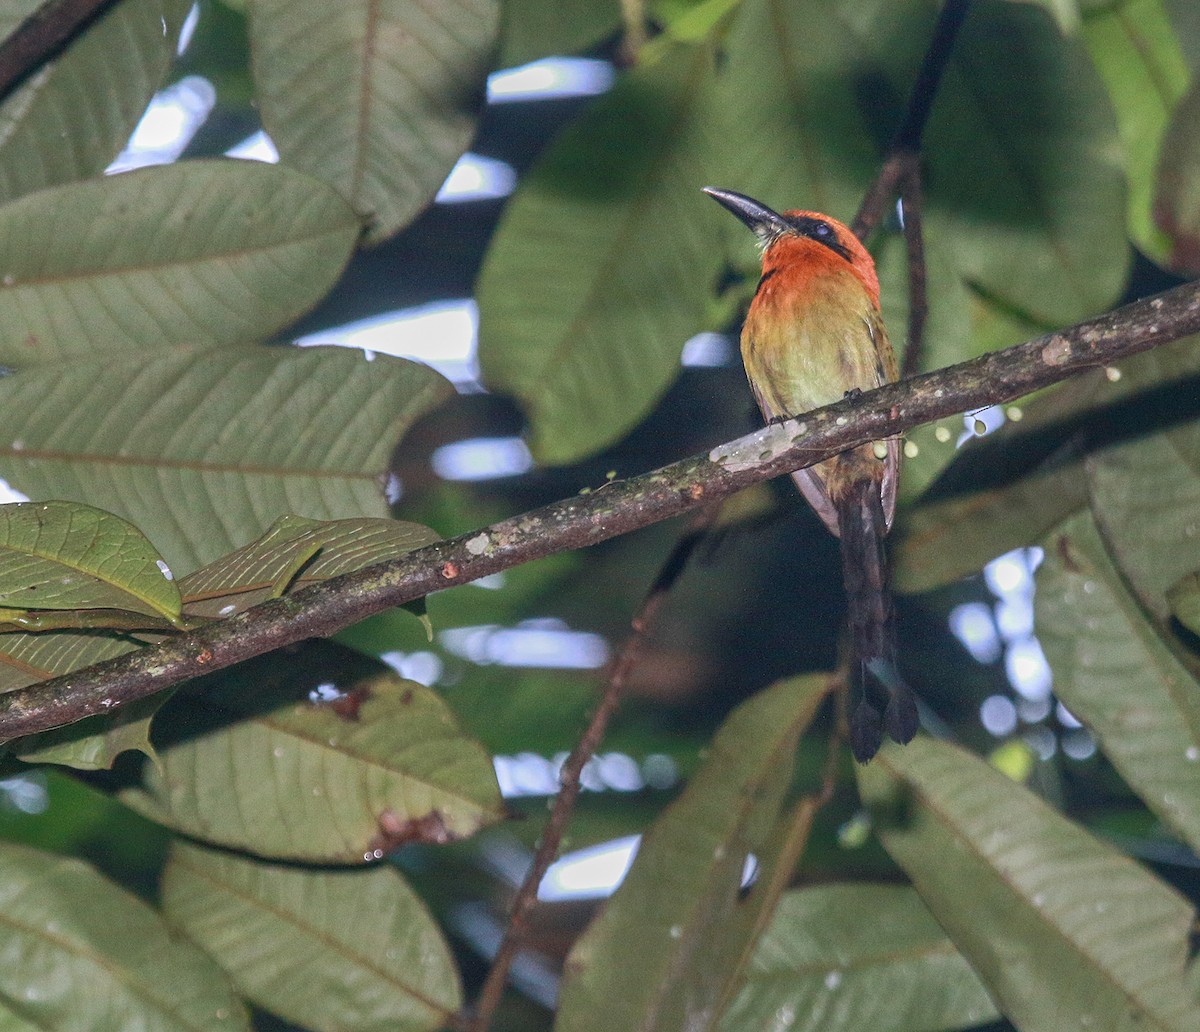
(1177, 194)
(200, 253)
(379, 101)
(531, 29)
(857, 957)
(1184, 599)
(94, 743)
(72, 117)
(668, 947)
(66, 555)
(1139, 57)
(1022, 891)
(1145, 490)
(1113, 671)
(335, 951)
(293, 553)
(318, 756)
(204, 450)
(82, 953)
(602, 262)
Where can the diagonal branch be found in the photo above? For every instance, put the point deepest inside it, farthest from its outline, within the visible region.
(617, 509)
(42, 35)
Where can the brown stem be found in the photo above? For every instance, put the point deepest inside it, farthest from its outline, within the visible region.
(906, 144)
(42, 35)
(622, 506)
(918, 293)
(572, 770)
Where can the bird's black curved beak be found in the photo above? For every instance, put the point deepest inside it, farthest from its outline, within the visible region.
(766, 224)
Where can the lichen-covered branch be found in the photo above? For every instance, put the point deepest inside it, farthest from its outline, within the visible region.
(614, 509)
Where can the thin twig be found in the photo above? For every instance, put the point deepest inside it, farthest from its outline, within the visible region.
(918, 294)
(570, 777)
(906, 143)
(43, 35)
(633, 20)
(622, 506)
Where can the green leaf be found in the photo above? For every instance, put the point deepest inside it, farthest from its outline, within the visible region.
(1022, 891)
(1145, 495)
(1184, 599)
(532, 29)
(1177, 194)
(253, 764)
(599, 271)
(294, 553)
(857, 957)
(1140, 59)
(94, 743)
(72, 117)
(205, 450)
(380, 101)
(82, 953)
(1117, 675)
(335, 951)
(200, 253)
(66, 555)
(666, 949)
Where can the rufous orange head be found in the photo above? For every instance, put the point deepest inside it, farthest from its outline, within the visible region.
(797, 238)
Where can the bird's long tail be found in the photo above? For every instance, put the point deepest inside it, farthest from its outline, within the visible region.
(883, 702)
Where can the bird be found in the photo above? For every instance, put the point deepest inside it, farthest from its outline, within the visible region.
(813, 335)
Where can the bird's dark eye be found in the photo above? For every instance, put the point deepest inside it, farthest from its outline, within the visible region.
(821, 229)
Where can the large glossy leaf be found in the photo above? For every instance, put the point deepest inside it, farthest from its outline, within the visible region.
(334, 951)
(1139, 57)
(1023, 893)
(857, 957)
(200, 253)
(379, 99)
(79, 952)
(204, 451)
(599, 271)
(317, 756)
(65, 555)
(294, 553)
(666, 950)
(1116, 674)
(73, 116)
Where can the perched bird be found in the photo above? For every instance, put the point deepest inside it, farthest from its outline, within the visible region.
(813, 335)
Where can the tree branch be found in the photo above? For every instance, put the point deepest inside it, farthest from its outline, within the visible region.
(42, 35)
(615, 509)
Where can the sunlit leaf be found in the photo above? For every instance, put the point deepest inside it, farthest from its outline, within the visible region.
(1115, 673)
(71, 118)
(66, 555)
(857, 957)
(203, 451)
(82, 953)
(201, 253)
(600, 268)
(317, 756)
(294, 553)
(666, 949)
(336, 951)
(1139, 57)
(1177, 196)
(379, 101)
(1022, 891)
